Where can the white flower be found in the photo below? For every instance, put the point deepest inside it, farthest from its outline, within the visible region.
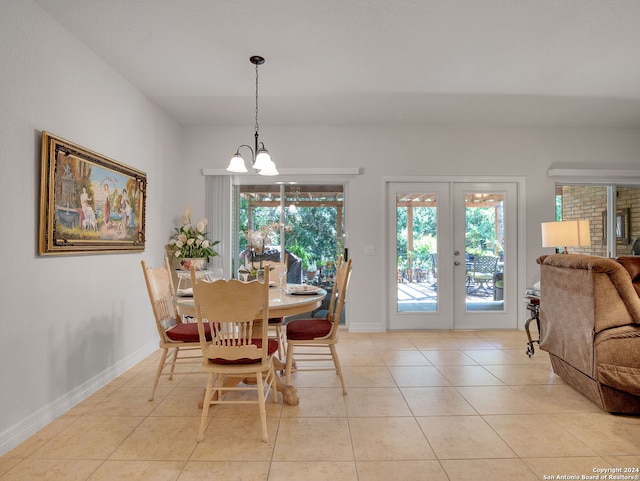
(190, 240)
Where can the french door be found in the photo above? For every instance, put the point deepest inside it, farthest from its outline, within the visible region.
(452, 255)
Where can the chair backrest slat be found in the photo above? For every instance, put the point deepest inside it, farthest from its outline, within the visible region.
(159, 289)
(231, 309)
(339, 294)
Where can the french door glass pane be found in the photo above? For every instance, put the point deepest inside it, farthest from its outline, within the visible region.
(416, 233)
(484, 251)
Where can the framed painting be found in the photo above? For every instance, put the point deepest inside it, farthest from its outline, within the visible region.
(88, 202)
(623, 223)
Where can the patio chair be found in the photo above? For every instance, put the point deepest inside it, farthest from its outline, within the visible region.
(481, 274)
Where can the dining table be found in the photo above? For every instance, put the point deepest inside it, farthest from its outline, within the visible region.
(293, 300)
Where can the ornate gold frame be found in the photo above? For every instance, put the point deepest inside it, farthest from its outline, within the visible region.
(88, 202)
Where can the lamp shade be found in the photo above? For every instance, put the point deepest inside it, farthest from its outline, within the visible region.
(269, 168)
(574, 233)
(262, 159)
(237, 164)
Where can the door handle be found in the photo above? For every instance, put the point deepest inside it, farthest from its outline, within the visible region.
(456, 253)
(456, 263)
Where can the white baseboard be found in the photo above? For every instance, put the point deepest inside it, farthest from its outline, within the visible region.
(26, 428)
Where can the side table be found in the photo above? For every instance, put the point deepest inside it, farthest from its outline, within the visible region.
(533, 306)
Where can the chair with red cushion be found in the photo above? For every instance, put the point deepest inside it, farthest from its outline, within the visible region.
(316, 339)
(175, 336)
(237, 314)
(276, 324)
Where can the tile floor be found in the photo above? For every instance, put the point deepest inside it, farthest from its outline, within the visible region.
(437, 406)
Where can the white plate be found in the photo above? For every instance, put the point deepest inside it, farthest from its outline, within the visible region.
(303, 290)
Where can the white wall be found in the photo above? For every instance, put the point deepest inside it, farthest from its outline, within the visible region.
(69, 323)
(417, 151)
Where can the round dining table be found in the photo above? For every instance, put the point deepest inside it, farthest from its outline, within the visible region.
(282, 303)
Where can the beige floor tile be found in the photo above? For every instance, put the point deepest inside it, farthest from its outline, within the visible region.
(606, 434)
(227, 471)
(361, 358)
(52, 470)
(436, 401)
(463, 437)
(130, 401)
(451, 357)
(318, 402)
(521, 357)
(432, 344)
(468, 376)
(198, 379)
(91, 437)
(313, 439)
(496, 400)
(386, 439)
(138, 471)
(180, 402)
(628, 461)
(491, 356)
(400, 471)
(569, 466)
(316, 379)
(556, 398)
(368, 377)
(472, 342)
(242, 440)
(373, 402)
(179, 434)
(310, 470)
(246, 410)
(392, 344)
(36, 441)
(403, 358)
(7, 463)
(360, 344)
(520, 374)
(417, 376)
(538, 435)
(493, 469)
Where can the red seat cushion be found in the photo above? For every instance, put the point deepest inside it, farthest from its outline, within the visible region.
(272, 347)
(307, 329)
(188, 332)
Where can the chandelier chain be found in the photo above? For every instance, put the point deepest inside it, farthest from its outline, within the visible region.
(257, 128)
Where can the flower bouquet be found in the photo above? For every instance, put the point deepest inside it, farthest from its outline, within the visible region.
(190, 243)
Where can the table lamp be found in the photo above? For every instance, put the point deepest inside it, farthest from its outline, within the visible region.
(566, 233)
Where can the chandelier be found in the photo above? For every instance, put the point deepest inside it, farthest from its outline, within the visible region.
(260, 159)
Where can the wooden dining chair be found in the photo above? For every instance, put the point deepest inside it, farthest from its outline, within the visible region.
(276, 324)
(175, 336)
(315, 339)
(237, 314)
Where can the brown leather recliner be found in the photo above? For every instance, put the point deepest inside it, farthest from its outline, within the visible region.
(590, 326)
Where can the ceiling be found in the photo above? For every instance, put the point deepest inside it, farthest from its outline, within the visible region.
(372, 62)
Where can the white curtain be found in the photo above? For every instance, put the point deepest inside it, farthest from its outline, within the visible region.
(218, 211)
